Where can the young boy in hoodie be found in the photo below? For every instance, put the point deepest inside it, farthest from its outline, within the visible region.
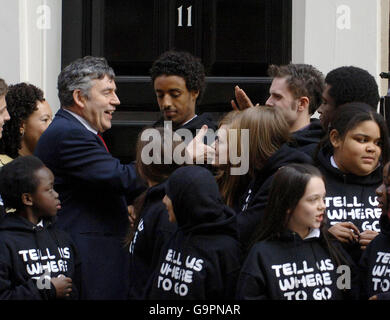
(375, 261)
(202, 259)
(37, 261)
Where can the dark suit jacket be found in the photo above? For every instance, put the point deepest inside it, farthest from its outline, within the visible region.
(92, 187)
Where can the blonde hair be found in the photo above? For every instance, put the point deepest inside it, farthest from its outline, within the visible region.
(268, 131)
(229, 185)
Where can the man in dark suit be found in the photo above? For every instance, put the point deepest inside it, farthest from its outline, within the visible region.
(91, 183)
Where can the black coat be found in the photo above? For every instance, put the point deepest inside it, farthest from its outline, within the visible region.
(92, 186)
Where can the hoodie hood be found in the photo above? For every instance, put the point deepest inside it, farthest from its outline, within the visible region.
(197, 203)
(14, 222)
(284, 156)
(324, 156)
(312, 134)
(289, 235)
(157, 192)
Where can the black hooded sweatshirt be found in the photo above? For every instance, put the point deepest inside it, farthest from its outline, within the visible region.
(28, 253)
(350, 198)
(154, 229)
(254, 200)
(291, 268)
(203, 257)
(375, 264)
(308, 138)
(194, 125)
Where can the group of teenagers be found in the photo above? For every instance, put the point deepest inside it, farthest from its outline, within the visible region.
(309, 220)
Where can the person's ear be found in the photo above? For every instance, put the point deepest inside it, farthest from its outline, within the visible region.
(78, 98)
(334, 138)
(27, 199)
(195, 94)
(303, 103)
(22, 128)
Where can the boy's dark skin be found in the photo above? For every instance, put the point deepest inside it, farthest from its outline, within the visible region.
(44, 202)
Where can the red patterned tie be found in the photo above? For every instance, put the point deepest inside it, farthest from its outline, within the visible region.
(101, 138)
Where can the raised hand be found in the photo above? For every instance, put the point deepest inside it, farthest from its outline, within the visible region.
(242, 99)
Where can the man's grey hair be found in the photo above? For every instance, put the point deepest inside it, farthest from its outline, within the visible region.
(80, 75)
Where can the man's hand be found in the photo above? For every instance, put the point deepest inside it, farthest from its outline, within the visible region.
(366, 237)
(197, 152)
(63, 286)
(345, 232)
(242, 99)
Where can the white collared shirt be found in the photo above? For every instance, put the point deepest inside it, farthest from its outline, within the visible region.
(82, 120)
(189, 120)
(314, 233)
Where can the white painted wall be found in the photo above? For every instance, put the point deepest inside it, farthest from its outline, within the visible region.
(9, 41)
(333, 33)
(31, 48)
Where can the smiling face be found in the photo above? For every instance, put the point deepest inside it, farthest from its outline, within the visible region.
(175, 101)
(45, 202)
(359, 151)
(383, 191)
(34, 126)
(168, 204)
(101, 103)
(310, 210)
(4, 115)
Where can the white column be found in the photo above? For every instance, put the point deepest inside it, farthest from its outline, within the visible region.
(333, 33)
(40, 45)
